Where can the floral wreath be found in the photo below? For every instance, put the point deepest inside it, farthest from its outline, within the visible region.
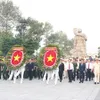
(10, 55)
(41, 57)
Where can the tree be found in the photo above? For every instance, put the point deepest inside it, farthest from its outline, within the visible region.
(31, 32)
(8, 42)
(3, 36)
(35, 30)
(30, 47)
(48, 30)
(9, 15)
(61, 39)
(22, 29)
(1, 53)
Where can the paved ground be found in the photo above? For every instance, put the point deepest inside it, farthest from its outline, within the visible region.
(98, 96)
(39, 90)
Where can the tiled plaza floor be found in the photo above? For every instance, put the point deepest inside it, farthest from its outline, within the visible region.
(39, 90)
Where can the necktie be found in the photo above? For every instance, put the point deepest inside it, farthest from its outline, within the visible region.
(69, 66)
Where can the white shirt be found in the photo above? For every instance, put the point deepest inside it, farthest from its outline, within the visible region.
(67, 67)
(89, 65)
(77, 65)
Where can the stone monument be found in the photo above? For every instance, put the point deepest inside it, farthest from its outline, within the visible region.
(79, 49)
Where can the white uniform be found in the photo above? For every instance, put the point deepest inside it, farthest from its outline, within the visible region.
(51, 75)
(96, 68)
(17, 72)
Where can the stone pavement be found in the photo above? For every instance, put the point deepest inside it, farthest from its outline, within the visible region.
(98, 96)
(39, 90)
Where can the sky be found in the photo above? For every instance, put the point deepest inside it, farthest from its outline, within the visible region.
(65, 15)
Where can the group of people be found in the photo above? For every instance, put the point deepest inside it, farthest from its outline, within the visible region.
(74, 69)
(30, 69)
(80, 69)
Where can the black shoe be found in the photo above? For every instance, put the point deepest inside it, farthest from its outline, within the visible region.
(73, 79)
(97, 82)
(70, 81)
(30, 79)
(82, 81)
(94, 82)
(79, 82)
(60, 80)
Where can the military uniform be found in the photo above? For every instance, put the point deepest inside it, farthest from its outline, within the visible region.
(0, 69)
(75, 70)
(96, 68)
(3, 69)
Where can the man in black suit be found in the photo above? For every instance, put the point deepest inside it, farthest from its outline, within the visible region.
(30, 68)
(61, 70)
(82, 70)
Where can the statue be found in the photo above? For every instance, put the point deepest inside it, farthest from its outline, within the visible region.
(80, 39)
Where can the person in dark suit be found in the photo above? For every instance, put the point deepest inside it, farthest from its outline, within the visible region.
(30, 68)
(39, 73)
(82, 70)
(88, 70)
(61, 70)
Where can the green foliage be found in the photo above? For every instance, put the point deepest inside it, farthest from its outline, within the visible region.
(30, 32)
(30, 46)
(1, 53)
(60, 38)
(35, 30)
(9, 15)
(41, 56)
(8, 43)
(22, 29)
